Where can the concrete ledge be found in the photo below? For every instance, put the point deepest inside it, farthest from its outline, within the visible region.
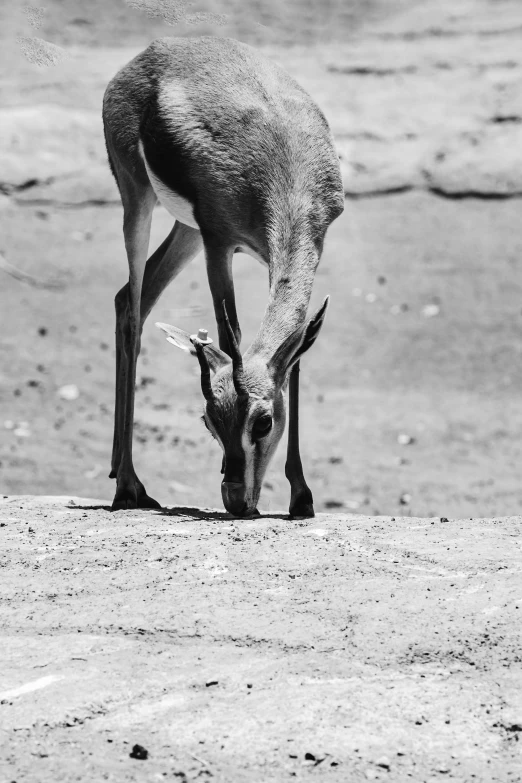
(364, 647)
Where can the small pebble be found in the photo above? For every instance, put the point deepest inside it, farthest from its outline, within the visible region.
(139, 752)
(405, 440)
(69, 392)
(430, 311)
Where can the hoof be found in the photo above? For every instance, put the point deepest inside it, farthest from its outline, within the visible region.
(133, 496)
(123, 503)
(306, 512)
(144, 501)
(302, 504)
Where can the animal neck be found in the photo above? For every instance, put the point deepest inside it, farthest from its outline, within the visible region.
(291, 278)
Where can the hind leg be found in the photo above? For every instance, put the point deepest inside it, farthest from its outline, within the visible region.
(178, 249)
(138, 204)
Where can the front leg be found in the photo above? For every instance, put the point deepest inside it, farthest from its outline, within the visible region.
(219, 271)
(301, 500)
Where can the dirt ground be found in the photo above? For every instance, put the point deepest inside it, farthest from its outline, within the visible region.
(354, 646)
(343, 648)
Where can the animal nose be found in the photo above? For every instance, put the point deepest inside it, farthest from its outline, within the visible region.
(233, 495)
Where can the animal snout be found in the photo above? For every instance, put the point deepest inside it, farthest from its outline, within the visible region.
(233, 495)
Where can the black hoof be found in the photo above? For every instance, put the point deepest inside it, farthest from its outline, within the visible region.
(302, 505)
(124, 502)
(144, 501)
(302, 512)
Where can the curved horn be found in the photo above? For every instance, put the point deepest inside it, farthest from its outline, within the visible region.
(237, 360)
(206, 386)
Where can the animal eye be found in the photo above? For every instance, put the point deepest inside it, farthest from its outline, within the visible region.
(262, 427)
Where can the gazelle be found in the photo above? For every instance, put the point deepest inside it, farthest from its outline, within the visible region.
(244, 160)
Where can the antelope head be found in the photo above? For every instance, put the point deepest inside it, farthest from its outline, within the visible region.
(244, 404)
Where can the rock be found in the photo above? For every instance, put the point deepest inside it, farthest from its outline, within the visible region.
(93, 184)
(56, 154)
(45, 142)
(430, 310)
(380, 166)
(405, 440)
(69, 392)
(139, 752)
(483, 163)
(22, 431)
(383, 762)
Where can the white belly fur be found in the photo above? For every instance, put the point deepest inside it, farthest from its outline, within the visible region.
(176, 205)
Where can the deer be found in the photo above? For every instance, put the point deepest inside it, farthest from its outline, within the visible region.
(244, 160)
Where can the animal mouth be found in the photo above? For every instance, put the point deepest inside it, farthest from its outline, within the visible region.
(234, 500)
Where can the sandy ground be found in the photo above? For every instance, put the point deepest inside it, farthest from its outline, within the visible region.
(345, 648)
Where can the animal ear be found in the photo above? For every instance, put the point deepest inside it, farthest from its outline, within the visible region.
(297, 344)
(181, 339)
